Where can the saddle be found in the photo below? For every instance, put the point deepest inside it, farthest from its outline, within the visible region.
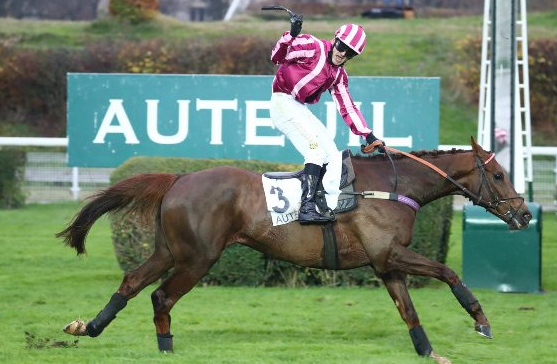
(346, 200)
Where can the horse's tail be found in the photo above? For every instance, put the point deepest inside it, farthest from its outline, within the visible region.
(141, 194)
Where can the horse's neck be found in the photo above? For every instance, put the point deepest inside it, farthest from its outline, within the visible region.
(428, 185)
(417, 181)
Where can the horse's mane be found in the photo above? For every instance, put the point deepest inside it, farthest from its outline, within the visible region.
(420, 153)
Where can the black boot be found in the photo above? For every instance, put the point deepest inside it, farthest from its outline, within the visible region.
(320, 198)
(308, 211)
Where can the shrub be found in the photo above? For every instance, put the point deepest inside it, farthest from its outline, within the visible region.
(153, 56)
(33, 88)
(33, 82)
(236, 56)
(542, 62)
(543, 85)
(240, 265)
(134, 11)
(12, 162)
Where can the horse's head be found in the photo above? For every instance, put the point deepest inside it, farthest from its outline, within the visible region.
(495, 191)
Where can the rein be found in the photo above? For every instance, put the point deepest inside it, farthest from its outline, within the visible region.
(495, 202)
(444, 174)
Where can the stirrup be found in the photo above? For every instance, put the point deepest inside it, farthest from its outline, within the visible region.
(311, 216)
(329, 214)
(318, 220)
(321, 206)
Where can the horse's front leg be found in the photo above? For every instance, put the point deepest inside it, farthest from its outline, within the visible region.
(395, 282)
(410, 262)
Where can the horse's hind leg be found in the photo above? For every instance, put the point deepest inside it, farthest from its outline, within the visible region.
(133, 282)
(410, 262)
(395, 282)
(182, 279)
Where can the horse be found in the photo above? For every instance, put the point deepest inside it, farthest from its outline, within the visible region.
(198, 215)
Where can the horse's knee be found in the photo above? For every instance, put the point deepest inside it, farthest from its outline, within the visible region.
(410, 316)
(129, 286)
(161, 319)
(450, 277)
(158, 299)
(466, 299)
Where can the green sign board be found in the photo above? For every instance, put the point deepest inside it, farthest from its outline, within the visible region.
(112, 117)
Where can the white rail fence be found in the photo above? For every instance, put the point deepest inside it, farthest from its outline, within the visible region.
(49, 179)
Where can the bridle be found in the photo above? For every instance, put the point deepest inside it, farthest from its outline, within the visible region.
(508, 212)
(500, 207)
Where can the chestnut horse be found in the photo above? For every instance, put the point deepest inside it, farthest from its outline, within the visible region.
(200, 214)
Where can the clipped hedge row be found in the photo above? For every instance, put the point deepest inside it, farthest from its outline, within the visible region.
(542, 63)
(12, 162)
(33, 81)
(242, 266)
(134, 11)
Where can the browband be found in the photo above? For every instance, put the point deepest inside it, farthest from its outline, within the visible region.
(489, 159)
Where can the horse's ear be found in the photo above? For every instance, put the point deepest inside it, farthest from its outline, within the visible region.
(475, 146)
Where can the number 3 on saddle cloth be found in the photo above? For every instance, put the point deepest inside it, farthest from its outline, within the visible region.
(283, 193)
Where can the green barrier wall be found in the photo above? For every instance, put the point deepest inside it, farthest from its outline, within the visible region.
(495, 257)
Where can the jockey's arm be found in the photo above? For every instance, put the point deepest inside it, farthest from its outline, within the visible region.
(346, 107)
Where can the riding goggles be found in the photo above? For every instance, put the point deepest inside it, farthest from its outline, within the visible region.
(342, 47)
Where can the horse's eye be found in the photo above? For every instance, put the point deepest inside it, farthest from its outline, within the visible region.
(498, 176)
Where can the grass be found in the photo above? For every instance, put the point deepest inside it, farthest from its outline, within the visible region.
(44, 286)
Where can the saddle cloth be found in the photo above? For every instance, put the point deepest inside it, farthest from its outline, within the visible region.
(283, 192)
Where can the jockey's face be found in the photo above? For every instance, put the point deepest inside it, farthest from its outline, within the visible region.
(341, 52)
(338, 58)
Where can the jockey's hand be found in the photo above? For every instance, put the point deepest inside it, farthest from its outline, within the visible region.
(373, 144)
(296, 25)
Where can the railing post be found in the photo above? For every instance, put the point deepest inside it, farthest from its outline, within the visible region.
(75, 183)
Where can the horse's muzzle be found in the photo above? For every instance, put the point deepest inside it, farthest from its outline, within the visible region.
(520, 220)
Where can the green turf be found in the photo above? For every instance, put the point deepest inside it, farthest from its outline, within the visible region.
(43, 286)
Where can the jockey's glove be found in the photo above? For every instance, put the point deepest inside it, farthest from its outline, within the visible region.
(296, 25)
(371, 139)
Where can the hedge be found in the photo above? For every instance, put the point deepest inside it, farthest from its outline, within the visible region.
(12, 162)
(542, 62)
(134, 11)
(242, 266)
(33, 81)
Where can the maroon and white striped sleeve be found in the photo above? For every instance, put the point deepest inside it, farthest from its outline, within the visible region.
(345, 106)
(293, 49)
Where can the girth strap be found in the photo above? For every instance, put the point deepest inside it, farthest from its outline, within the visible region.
(330, 247)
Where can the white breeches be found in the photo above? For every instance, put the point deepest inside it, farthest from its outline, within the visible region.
(309, 136)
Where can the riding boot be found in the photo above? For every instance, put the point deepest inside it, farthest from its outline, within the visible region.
(308, 211)
(320, 198)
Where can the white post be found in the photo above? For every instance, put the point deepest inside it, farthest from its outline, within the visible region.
(232, 9)
(75, 183)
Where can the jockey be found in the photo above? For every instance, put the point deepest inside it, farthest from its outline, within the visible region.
(308, 67)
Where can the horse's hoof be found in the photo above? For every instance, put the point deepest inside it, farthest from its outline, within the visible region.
(484, 330)
(76, 328)
(439, 359)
